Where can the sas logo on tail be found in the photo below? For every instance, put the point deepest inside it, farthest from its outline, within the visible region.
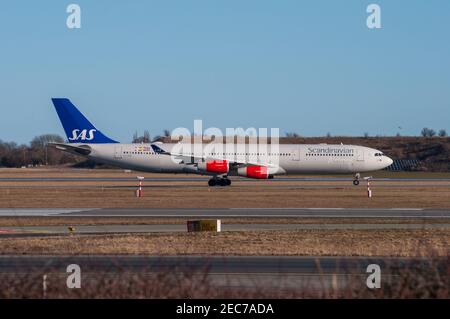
(83, 135)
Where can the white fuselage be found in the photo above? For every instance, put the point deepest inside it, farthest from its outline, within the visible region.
(287, 158)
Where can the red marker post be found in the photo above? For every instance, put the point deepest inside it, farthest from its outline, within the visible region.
(369, 191)
(139, 192)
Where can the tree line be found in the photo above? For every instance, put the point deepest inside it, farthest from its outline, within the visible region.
(147, 139)
(425, 132)
(34, 154)
(429, 132)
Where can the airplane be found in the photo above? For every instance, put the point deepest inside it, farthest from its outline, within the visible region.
(246, 160)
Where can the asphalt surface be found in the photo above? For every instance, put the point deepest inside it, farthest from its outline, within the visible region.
(441, 187)
(214, 264)
(199, 179)
(261, 272)
(232, 212)
(268, 272)
(166, 182)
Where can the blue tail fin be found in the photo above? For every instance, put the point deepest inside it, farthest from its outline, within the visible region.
(78, 129)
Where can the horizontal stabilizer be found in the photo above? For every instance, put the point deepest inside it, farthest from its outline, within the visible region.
(84, 150)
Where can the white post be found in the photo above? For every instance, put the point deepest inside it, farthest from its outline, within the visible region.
(44, 286)
(219, 225)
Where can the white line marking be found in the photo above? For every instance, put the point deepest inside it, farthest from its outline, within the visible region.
(285, 208)
(41, 211)
(406, 209)
(325, 208)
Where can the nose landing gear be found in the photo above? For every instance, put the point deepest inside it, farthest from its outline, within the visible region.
(223, 181)
(356, 180)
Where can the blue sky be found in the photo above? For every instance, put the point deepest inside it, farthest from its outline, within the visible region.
(306, 66)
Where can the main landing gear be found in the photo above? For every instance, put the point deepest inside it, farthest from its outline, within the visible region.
(216, 181)
(356, 180)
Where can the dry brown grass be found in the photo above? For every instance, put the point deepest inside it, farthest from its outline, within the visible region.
(289, 242)
(189, 194)
(21, 221)
(235, 196)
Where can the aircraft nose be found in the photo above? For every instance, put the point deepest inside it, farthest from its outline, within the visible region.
(389, 161)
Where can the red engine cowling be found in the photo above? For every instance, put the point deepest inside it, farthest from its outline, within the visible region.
(214, 166)
(259, 172)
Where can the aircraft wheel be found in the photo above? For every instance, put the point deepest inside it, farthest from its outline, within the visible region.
(228, 182)
(212, 182)
(223, 182)
(356, 182)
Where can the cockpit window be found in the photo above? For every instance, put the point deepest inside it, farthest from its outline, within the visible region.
(379, 154)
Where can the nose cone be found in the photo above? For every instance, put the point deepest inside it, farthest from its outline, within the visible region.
(389, 161)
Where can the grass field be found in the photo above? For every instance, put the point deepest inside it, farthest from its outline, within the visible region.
(416, 242)
(232, 197)
(193, 194)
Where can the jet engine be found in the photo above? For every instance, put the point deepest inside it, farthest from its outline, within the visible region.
(214, 166)
(258, 172)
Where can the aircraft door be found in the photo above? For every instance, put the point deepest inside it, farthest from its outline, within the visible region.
(295, 154)
(360, 155)
(118, 152)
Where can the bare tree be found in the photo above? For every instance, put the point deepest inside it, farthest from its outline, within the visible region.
(442, 133)
(146, 137)
(292, 134)
(428, 132)
(40, 153)
(141, 139)
(135, 138)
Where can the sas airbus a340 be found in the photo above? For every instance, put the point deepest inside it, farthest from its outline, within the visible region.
(85, 140)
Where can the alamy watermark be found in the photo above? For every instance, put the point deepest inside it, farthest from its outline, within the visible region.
(74, 279)
(374, 19)
(73, 21)
(374, 279)
(255, 145)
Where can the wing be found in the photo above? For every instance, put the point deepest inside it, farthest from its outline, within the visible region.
(193, 159)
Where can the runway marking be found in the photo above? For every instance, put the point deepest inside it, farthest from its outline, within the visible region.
(406, 209)
(41, 211)
(325, 208)
(315, 208)
(286, 208)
